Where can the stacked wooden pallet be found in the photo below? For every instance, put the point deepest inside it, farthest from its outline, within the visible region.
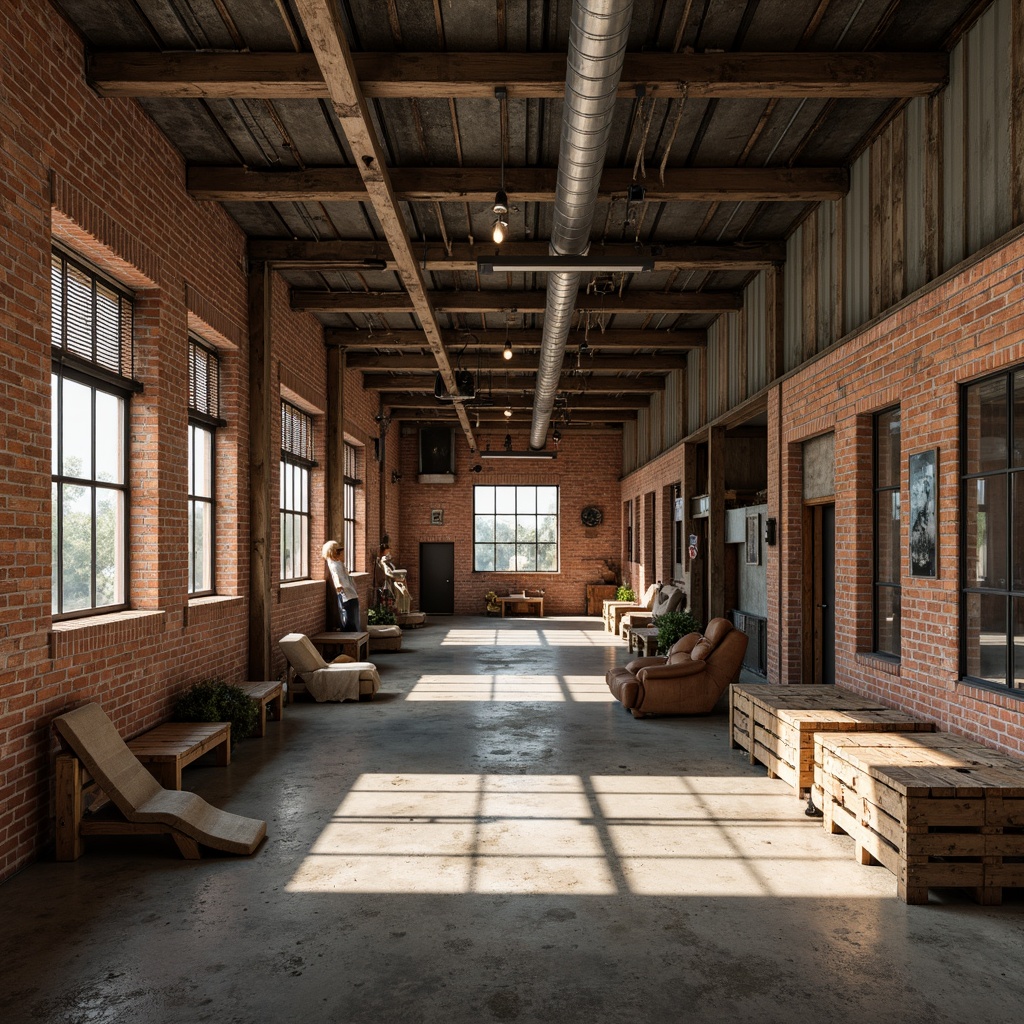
(776, 724)
(936, 809)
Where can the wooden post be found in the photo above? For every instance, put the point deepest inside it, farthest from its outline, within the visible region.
(69, 807)
(335, 490)
(260, 467)
(716, 522)
(694, 567)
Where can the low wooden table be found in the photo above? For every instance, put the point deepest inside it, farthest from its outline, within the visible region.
(168, 748)
(355, 644)
(646, 640)
(776, 725)
(534, 602)
(937, 810)
(269, 697)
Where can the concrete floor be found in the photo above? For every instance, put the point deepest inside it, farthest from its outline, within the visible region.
(492, 839)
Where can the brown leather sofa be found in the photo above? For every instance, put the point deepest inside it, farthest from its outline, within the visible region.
(689, 681)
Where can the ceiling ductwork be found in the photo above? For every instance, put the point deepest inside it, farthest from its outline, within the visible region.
(598, 34)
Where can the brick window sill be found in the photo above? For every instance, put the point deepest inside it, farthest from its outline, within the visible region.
(882, 662)
(201, 611)
(98, 632)
(999, 696)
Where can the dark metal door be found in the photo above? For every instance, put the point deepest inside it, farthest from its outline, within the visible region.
(437, 578)
(821, 520)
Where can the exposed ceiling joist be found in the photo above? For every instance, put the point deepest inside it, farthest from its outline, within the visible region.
(589, 402)
(295, 255)
(567, 382)
(525, 184)
(523, 75)
(474, 340)
(519, 363)
(322, 22)
(520, 419)
(519, 301)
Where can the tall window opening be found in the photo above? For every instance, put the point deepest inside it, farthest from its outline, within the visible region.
(351, 482)
(91, 384)
(887, 532)
(296, 465)
(992, 524)
(515, 529)
(203, 420)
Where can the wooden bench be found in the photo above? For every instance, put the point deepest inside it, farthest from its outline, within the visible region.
(168, 748)
(776, 724)
(937, 810)
(270, 696)
(528, 602)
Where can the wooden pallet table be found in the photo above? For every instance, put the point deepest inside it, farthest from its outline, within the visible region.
(645, 638)
(168, 748)
(776, 724)
(270, 697)
(936, 809)
(519, 603)
(355, 644)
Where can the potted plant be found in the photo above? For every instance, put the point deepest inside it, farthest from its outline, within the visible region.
(491, 603)
(215, 701)
(379, 615)
(674, 625)
(625, 593)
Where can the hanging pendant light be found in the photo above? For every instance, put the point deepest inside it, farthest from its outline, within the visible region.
(500, 209)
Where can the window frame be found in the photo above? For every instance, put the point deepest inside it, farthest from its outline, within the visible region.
(203, 415)
(301, 462)
(71, 366)
(879, 490)
(351, 481)
(535, 544)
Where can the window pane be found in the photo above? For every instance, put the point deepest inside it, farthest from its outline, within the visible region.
(483, 499)
(1018, 531)
(985, 533)
(887, 449)
(76, 548)
(526, 500)
(1018, 418)
(526, 529)
(201, 546)
(109, 438)
(108, 547)
(54, 548)
(547, 499)
(985, 630)
(303, 542)
(504, 557)
(202, 470)
(303, 488)
(986, 426)
(484, 529)
(483, 560)
(547, 557)
(526, 558)
(887, 604)
(54, 423)
(505, 528)
(887, 534)
(547, 529)
(77, 430)
(505, 499)
(1018, 643)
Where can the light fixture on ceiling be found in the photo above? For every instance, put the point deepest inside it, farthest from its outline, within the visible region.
(563, 264)
(507, 351)
(500, 208)
(508, 400)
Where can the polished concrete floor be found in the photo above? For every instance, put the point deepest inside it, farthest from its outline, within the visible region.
(492, 839)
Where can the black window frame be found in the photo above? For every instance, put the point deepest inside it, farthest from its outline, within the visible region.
(204, 416)
(296, 455)
(351, 481)
(881, 492)
(477, 543)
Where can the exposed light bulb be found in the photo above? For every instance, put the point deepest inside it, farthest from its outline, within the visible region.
(498, 234)
(508, 349)
(508, 412)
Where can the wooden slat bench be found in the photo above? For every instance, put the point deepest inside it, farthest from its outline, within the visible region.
(168, 748)
(270, 697)
(936, 809)
(776, 724)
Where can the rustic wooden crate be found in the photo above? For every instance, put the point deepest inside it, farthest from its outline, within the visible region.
(936, 809)
(776, 724)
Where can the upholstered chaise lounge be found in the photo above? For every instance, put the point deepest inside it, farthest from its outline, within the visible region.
(669, 598)
(613, 610)
(341, 680)
(689, 680)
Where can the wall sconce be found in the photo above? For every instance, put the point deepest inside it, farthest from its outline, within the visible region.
(769, 532)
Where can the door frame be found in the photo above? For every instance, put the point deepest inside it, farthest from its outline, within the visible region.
(812, 585)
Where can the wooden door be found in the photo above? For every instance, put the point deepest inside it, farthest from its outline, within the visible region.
(437, 578)
(820, 593)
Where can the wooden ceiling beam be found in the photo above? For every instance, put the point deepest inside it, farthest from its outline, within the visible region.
(520, 363)
(518, 301)
(406, 400)
(613, 338)
(523, 75)
(286, 254)
(325, 31)
(567, 382)
(523, 184)
(491, 418)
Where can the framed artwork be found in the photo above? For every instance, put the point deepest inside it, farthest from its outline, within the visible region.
(754, 539)
(437, 517)
(924, 513)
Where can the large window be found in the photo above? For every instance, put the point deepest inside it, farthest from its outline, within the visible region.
(887, 532)
(296, 464)
(203, 419)
(351, 481)
(515, 529)
(91, 335)
(992, 516)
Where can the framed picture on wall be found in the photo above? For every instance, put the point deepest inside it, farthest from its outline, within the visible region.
(924, 513)
(754, 539)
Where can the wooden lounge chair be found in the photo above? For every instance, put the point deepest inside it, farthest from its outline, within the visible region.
(341, 680)
(143, 805)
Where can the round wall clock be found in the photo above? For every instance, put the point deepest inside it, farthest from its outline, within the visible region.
(591, 516)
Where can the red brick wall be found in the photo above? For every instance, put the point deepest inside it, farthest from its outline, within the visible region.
(969, 325)
(587, 473)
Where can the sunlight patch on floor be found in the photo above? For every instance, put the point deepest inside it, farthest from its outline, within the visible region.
(513, 637)
(584, 835)
(480, 687)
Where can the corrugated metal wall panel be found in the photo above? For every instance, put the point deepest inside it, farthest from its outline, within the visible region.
(988, 127)
(715, 336)
(954, 200)
(673, 414)
(916, 144)
(735, 359)
(754, 303)
(825, 329)
(794, 299)
(693, 391)
(857, 240)
(629, 457)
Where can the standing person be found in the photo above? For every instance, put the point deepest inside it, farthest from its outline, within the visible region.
(348, 596)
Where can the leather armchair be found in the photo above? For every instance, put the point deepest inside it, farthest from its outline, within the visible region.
(689, 680)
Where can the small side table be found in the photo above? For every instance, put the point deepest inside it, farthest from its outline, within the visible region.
(646, 640)
(355, 644)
